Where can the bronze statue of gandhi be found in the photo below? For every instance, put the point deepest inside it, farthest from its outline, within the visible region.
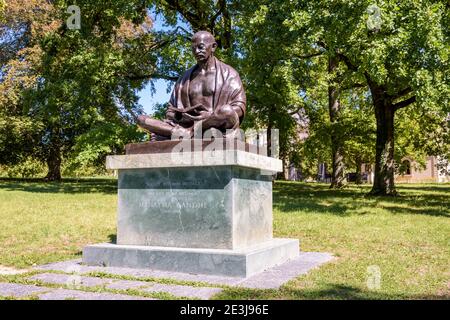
(209, 95)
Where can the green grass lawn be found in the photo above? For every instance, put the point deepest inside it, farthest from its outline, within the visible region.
(407, 237)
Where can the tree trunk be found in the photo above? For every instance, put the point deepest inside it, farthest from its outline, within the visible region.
(334, 106)
(54, 163)
(283, 175)
(358, 170)
(286, 170)
(384, 160)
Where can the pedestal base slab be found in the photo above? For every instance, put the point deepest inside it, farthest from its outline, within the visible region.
(234, 263)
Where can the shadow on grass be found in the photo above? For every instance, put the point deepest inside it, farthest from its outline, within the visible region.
(318, 198)
(444, 187)
(288, 196)
(333, 292)
(70, 186)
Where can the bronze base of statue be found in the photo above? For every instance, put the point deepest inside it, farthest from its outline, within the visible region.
(168, 146)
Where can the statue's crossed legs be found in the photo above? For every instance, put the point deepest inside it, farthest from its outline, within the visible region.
(182, 124)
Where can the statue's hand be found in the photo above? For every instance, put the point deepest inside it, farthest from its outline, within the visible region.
(201, 116)
(200, 111)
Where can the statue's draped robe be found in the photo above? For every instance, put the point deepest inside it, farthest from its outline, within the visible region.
(228, 91)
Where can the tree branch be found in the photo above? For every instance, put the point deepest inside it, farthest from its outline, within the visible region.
(401, 93)
(355, 85)
(221, 4)
(152, 76)
(307, 56)
(347, 61)
(322, 44)
(188, 15)
(297, 110)
(226, 38)
(404, 103)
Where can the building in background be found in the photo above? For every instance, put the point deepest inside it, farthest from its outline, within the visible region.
(436, 170)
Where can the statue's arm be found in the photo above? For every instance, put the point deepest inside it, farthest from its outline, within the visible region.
(239, 108)
(238, 100)
(170, 112)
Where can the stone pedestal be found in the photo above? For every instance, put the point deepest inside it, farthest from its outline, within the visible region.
(206, 212)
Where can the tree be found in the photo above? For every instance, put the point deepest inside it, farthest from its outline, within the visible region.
(79, 79)
(182, 19)
(272, 79)
(268, 44)
(398, 49)
(359, 131)
(212, 16)
(342, 80)
(19, 58)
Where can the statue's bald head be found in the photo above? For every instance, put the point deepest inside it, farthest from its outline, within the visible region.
(203, 35)
(203, 46)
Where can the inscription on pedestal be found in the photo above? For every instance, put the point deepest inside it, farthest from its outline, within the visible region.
(145, 204)
(194, 207)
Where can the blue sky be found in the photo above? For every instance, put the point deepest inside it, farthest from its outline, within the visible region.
(161, 96)
(146, 99)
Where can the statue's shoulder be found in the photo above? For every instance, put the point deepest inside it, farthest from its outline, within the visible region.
(229, 70)
(186, 75)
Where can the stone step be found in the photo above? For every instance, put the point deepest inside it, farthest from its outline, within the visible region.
(272, 278)
(65, 294)
(203, 293)
(76, 266)
(15, 290)
(85, 281)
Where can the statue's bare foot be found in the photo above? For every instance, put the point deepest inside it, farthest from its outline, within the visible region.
(181, 132)
(141, 121)
(155, 126)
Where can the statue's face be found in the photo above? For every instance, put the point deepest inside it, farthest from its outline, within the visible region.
(203, 46)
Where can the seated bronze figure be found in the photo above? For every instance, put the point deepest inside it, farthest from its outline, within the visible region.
(209, 95)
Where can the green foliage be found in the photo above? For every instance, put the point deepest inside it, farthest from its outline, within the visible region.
(281, 48)
(213, 16)
(18, 137)
(422, 133)
(71, 170)
(78, 78)
(405, 57)
(91, 148)
(160, 111)
(74, 91)
(271, 82)
(357, 129)
(28, 168)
